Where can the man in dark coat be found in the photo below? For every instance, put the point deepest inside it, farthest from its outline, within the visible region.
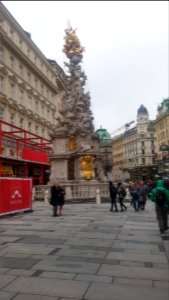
(113, 193)
(57, 198)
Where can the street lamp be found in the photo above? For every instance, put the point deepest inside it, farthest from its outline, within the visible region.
(107, 164)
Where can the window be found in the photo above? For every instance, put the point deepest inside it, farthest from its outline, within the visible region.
(11, 33)
(1, 113)
(20, 44)
(21, 122)
(1, 54)
(11, 62)
(28, 51)
(29, 77)
(42, 110)
(1, 21)
(21, 97)
(143, 160)
(36, 83)
(21, 70)
(12, 90)
(29, 126)
(12, 118)
(43, 131)
(36, 106)
(1, 84)
(30, 102)
(42, 89)
(142, 144)
(143, 152)
(37, 129)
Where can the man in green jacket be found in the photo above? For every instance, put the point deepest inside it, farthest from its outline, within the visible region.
(160, 196)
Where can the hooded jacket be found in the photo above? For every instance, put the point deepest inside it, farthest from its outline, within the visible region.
(159, 186)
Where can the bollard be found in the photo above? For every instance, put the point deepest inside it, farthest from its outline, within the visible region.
(98, 197)
(46, 197)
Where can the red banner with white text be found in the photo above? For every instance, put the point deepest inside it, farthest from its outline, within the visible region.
(15, 195)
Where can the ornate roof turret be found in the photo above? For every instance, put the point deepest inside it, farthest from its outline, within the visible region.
(142, 110)
(103, 133)
(142, 114)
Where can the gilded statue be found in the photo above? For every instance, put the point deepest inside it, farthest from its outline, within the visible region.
(71, 143)
(87, 166)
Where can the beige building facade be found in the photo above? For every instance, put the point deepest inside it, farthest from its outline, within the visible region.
(162, 126)
(31, 86)
(140, 147)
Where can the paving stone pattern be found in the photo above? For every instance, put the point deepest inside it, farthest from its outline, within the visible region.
(90, 253)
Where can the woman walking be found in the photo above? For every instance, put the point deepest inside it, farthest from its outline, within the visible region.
(121, 194)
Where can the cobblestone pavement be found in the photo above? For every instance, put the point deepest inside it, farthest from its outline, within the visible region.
(89, 253)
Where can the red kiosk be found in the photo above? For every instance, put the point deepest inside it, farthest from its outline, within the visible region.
(24, 161)
(15, 195)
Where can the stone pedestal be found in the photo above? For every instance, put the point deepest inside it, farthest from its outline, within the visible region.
(67, 160)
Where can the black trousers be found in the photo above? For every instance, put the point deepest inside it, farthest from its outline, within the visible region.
(122, 204)
(113, 204)
(162, 217)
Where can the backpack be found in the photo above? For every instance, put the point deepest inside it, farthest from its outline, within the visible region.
(160, 198)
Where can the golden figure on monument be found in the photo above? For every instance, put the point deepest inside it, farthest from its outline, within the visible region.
(72, 45)
(87, 166)
(71, 143)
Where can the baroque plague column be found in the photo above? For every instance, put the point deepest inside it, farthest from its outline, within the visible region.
(76, 148)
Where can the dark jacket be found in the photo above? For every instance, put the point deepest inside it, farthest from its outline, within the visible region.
(57, 195)
(113, 191)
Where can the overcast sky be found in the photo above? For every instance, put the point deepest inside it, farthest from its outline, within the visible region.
(126, 50)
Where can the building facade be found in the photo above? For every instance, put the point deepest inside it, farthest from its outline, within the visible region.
(118, 171)
(162, 125)
(31, 88)
(140, 147)
(162, 129)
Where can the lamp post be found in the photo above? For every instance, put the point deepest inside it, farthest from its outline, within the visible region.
(107, 164)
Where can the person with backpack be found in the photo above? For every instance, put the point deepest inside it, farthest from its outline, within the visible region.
(160, 196)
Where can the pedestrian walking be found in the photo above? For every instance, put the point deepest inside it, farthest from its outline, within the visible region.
(136, 197)
(121, 194)
(143, 195)
(160, 196)
(57, 199)
(113, 194)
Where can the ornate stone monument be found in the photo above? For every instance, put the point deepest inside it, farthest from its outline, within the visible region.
(77, 154)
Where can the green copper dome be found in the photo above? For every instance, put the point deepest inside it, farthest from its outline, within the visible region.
(103, 134)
